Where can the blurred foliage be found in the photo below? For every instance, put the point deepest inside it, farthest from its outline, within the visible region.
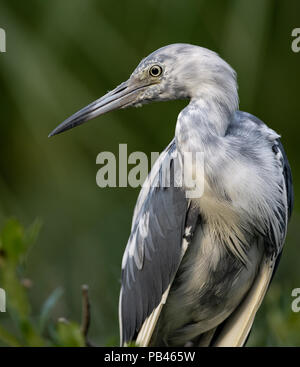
(275, 323)
(29, 330)
(63, 54)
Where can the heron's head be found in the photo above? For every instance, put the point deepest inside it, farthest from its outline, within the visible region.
(175, 71)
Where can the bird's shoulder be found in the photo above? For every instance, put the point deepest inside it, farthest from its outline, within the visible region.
(255, 130)
(261, 149)
(246, 125)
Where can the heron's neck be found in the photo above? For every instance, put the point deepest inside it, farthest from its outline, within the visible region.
(204, 121)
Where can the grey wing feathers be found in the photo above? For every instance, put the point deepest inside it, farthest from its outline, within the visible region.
(282, 213)
(153, 252)
(287, 174)
(287, 178)
(235, 330)
(283, 201)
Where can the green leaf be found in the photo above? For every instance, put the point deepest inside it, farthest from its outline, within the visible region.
(8, 338)
(69, 335)
(32, 233)
(30, 335)
(12, 239)
(16, 295)
(48, 306)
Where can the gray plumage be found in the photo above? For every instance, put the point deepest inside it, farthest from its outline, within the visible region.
(192, 263)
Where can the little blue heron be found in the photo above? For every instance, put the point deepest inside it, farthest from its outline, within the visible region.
(195, 270)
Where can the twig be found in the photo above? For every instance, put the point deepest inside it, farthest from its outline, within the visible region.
(86, 315)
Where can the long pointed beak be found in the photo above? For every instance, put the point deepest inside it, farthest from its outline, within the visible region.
(122, 96)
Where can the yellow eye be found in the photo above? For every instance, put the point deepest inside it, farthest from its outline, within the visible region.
(155, 70)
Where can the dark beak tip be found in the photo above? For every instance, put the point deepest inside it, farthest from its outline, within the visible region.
(64, 126)
(53, 132)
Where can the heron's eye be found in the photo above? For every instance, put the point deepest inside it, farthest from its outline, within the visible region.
(155, 70)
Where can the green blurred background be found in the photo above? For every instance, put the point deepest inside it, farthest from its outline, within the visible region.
(63, 54)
